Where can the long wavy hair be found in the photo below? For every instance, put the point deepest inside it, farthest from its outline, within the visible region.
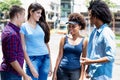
(42, 21)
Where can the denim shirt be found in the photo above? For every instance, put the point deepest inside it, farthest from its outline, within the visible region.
(101, 44)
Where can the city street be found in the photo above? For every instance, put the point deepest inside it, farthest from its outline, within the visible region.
(54, 46)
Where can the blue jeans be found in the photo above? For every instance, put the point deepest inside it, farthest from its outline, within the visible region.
(41, 64)
(9, 76)
(65, 74)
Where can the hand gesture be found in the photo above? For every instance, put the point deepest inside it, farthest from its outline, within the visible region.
(86, 61)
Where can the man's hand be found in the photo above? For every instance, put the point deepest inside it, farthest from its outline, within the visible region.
(86, 61)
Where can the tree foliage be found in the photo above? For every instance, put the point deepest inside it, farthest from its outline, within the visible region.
(6, 4)
(108, 2)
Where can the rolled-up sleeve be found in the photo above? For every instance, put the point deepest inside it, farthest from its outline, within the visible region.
(110, 46)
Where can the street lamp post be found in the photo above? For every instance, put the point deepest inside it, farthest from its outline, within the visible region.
(72, 6)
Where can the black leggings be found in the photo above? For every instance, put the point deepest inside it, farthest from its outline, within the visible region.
(65, 74)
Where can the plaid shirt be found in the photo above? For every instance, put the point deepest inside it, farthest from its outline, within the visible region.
(11, 47)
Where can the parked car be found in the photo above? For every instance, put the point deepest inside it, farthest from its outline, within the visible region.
(62, 28)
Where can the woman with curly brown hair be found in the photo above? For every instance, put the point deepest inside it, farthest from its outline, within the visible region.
(72, 47)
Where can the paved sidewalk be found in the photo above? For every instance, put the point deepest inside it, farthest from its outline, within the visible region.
(116, 68)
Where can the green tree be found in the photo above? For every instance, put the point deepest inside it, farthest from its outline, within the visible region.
(6, 4)
(108, 2)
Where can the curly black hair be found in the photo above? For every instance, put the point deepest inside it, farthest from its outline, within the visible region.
(100, 10)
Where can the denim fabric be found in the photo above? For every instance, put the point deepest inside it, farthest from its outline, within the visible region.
(101, 78)
(9, 76)
(41, 64)
(65, 74)
(101, 45)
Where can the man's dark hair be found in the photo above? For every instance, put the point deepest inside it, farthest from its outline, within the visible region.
(100, 10)
(14, 10)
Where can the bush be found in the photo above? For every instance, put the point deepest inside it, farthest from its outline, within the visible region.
(117, 36)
